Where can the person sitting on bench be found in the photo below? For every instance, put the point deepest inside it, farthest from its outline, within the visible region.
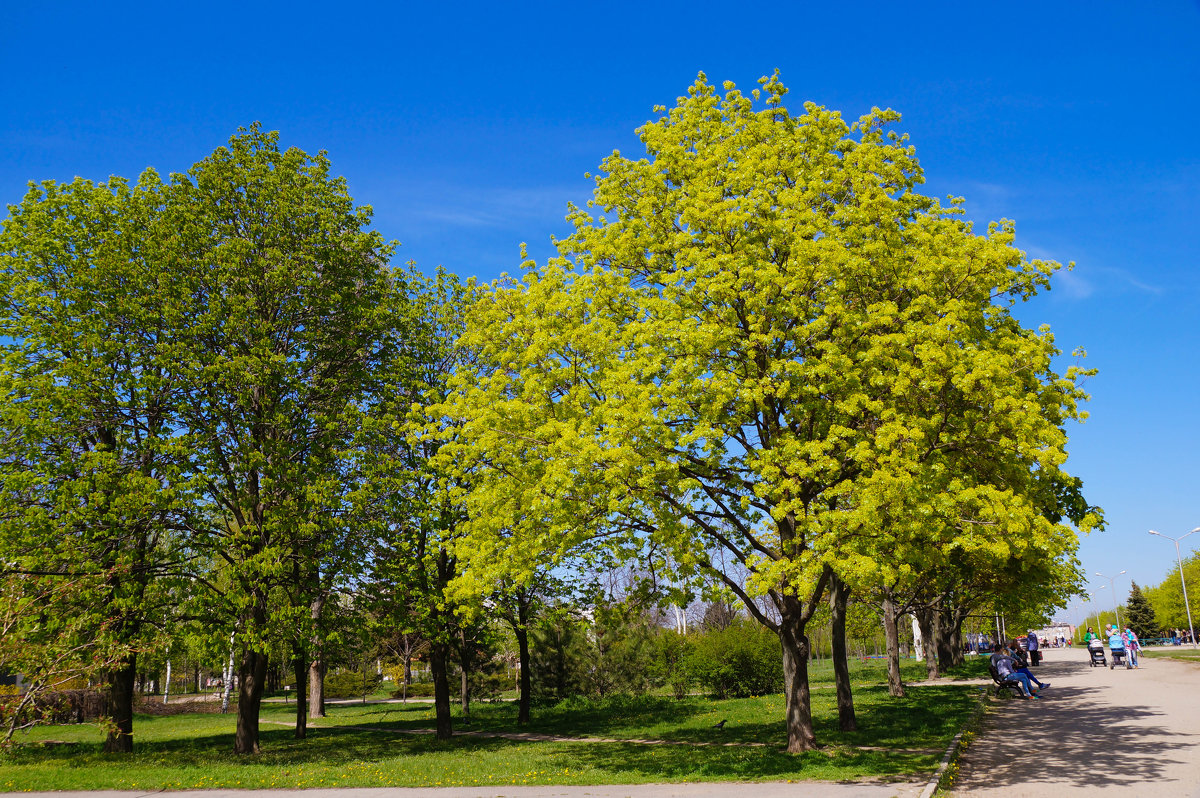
(1021, 665)
(1003, 664)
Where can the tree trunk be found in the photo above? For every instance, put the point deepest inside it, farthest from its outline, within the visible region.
(523, 663)
(892, 634)
(956, 639)
(316, 687)
(317, 666)
(925, 620)
(301, 667)
(839, 595)
(227, 682)
(120, 707)
(464, 664)
(795, 679)
(948, 656)
(252, 675)
(438, 657)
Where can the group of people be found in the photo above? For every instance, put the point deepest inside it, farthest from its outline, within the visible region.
(1120, 643)
(1011, 664)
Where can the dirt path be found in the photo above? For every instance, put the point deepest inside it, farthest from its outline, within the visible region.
(1133, 732)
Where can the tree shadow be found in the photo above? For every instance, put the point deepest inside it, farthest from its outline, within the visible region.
(739, 763)
(1072, 736)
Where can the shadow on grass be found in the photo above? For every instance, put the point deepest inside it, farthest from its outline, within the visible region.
(928, 717)
(681, 762)
(915, 729)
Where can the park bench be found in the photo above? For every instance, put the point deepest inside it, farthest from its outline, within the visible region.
(1003, 684)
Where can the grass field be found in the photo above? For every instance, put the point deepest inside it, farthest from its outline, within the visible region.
(1174, 652)
(376, 745)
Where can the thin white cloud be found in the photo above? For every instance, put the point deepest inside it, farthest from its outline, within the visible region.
(449, 206)
(1073, 285)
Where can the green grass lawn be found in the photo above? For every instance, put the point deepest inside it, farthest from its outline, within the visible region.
(370, 745)
(1173, 652)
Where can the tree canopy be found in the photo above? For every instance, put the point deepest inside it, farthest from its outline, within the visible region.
(761, 338)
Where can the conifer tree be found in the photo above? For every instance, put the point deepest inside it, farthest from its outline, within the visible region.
(1139, 614)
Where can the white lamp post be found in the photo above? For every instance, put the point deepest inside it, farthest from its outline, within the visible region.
(1179, 559)
(1092, 598)
(1079, 605)
(1112, 582)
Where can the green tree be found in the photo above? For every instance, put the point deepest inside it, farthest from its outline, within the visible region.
(559, 655)
(93, 462)
(1170, 611)
(744, 349)
(415, 515)
(292, 309)
(1139, 614)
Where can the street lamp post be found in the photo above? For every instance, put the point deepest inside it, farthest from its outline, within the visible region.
(1112, 582)
(1179, 559)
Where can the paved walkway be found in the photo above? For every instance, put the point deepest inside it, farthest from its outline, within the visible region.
(1127, 732)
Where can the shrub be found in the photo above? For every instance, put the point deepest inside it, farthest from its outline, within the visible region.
(350, 684)
(672, 654)
(741, 660)
(414, 690)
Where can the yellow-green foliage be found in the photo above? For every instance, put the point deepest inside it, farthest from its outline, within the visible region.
(764, 319)
(760, 338)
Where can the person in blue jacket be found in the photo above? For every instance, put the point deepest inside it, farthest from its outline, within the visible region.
(1116, 645)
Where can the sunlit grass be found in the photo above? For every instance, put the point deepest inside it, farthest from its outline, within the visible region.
(1174, 652)
(374, 745)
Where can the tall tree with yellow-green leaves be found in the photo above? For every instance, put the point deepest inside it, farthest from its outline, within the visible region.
(738, 349)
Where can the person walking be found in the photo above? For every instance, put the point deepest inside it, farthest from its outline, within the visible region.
(1132, 646)
(1035, 658)
(1116, 645)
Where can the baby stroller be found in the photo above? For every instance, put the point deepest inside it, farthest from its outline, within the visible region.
(1119, 658)
(1096, 650)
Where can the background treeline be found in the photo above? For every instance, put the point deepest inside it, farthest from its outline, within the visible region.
(1156, 611)
(767, 367)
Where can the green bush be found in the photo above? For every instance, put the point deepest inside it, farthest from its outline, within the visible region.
(613, 653)
(621, 651)
(739, 661)
(415, 690)
(672, 661)
(350, 684)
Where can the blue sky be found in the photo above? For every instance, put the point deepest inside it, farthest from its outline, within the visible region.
(468, 129)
